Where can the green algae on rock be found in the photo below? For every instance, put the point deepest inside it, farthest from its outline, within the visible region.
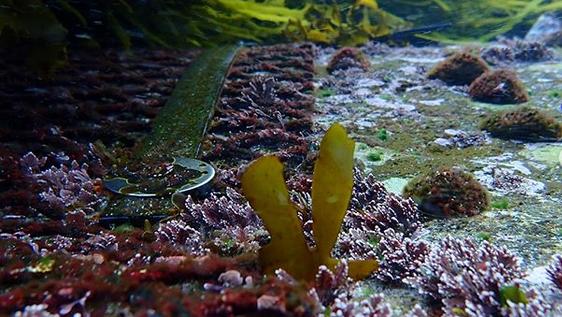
(499, 87)
(447, 192)
(524, 123)
(460, 68)
(181, 124)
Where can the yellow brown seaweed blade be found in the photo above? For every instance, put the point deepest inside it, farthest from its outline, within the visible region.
(264, 187)
(361, 269)
(331, 188)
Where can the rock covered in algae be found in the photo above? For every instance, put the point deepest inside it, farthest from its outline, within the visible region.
(524, 123)
(347, 57)
(447, 192)
(499, 87)
(459, 69)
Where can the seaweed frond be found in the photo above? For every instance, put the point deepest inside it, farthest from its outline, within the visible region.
(264, 187)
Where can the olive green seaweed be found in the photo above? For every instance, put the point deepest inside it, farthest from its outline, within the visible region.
(477, 20)
(46, 26)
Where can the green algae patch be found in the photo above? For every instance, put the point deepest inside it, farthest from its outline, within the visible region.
(550, 154)
(373, 156)
(181, 124)
(396, 185)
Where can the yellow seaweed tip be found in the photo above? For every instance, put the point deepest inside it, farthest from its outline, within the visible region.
(332, 183)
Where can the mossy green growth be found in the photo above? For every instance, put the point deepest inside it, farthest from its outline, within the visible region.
(124, 228)
(325, 92)
(485, 236)
(374, 156)
(502, 203)
(555, 93)
(382, 134)
(181, 124)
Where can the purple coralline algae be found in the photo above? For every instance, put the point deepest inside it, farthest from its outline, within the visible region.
(374, 306)
(466, 279)
(65, 187)
(401, 257)
(372, 207)
(228, 221)
(335, 290)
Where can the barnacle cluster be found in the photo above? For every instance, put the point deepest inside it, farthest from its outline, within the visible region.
(460, 68)
(447, 192)
(523, 123)
(499, 86)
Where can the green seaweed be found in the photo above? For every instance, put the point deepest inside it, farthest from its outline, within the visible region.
(502, 203)
(46, 26)
(33, 27)
(382, 134)
(512, 294)
(478, 20)
(51, 24)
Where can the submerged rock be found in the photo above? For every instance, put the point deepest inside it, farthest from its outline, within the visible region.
(459, 69)
(547, 29)
(347, 57)
(500, 87)
(447, 192)
(524, 123)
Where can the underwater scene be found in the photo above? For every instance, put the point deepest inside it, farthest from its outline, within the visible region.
(281, 158)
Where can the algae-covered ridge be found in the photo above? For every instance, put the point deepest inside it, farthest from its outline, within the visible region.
(177, 133)
(181, 125)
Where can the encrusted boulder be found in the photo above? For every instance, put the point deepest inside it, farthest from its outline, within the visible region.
(459, 69)
(523, 123)
(347, 57)
(447, 192)
(499, 87)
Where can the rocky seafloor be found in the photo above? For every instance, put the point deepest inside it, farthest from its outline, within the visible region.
(202, 260)
(407, 124)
